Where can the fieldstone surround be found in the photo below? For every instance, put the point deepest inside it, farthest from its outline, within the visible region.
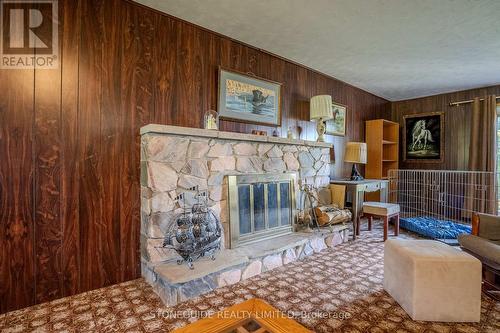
(174, 159)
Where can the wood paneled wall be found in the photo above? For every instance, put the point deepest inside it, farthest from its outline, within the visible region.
(69, 138)
(457, 125)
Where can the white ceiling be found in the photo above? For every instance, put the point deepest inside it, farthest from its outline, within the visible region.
(396, 49)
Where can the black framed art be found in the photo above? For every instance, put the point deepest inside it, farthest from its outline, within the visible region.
(423, 137)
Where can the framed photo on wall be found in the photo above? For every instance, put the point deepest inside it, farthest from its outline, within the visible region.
(423, 137)
(336, 126)
(248, 99)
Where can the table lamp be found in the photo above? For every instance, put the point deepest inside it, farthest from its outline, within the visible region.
(320, 110)
(355, 152)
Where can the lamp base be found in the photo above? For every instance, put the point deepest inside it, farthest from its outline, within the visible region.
(355, 175)
(321, 129)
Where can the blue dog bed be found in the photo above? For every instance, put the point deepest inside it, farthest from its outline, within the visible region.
(433, 228)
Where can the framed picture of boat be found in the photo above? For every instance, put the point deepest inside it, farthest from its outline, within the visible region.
(249, 99)
(336, 125)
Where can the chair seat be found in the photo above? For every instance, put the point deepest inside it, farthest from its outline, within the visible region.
(380, 208)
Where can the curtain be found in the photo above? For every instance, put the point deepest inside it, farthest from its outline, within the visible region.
(483, 156)
(483, 145)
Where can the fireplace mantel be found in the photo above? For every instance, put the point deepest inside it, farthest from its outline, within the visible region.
(189, 131)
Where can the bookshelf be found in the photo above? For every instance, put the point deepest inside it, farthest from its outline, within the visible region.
(382, 141)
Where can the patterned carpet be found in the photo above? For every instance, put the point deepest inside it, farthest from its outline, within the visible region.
(337, 290)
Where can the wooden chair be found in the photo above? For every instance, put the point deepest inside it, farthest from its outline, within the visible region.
(338, 195)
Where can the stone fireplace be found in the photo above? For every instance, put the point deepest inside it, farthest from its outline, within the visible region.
(252, 184)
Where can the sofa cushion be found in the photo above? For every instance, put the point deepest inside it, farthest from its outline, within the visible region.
(481, 247)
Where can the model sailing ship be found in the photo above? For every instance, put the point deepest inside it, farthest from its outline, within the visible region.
(196, 232)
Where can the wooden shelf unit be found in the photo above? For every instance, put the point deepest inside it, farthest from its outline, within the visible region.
(382, 140)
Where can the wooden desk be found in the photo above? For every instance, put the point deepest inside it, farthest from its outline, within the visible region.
(357, 190)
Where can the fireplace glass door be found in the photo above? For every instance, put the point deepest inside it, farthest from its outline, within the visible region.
(261, 206)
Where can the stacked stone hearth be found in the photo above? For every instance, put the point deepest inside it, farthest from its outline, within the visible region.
(176, 159)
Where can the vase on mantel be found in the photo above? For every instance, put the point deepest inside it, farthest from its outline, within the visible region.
(211, 120)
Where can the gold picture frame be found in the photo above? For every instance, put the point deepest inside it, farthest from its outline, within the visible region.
(337, 125)
(426, 146)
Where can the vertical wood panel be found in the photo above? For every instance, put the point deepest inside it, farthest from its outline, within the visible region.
(111, 141)
(47, 153)
(70, 17)
(93, 271)
(17, 257)
(187, 110)
(137, 84)
(165, 62)
(211, 70)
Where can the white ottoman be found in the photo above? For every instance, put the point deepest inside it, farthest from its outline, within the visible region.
(433, 281)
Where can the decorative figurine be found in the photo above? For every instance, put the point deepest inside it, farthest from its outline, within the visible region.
(211, 120)
(196, 231)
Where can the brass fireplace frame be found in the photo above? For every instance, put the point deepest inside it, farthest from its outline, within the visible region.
(236, 239)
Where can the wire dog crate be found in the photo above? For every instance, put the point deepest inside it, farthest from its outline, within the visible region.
(444, 194)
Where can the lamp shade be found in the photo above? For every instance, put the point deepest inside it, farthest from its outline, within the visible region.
(355, 152)
(321, 107)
